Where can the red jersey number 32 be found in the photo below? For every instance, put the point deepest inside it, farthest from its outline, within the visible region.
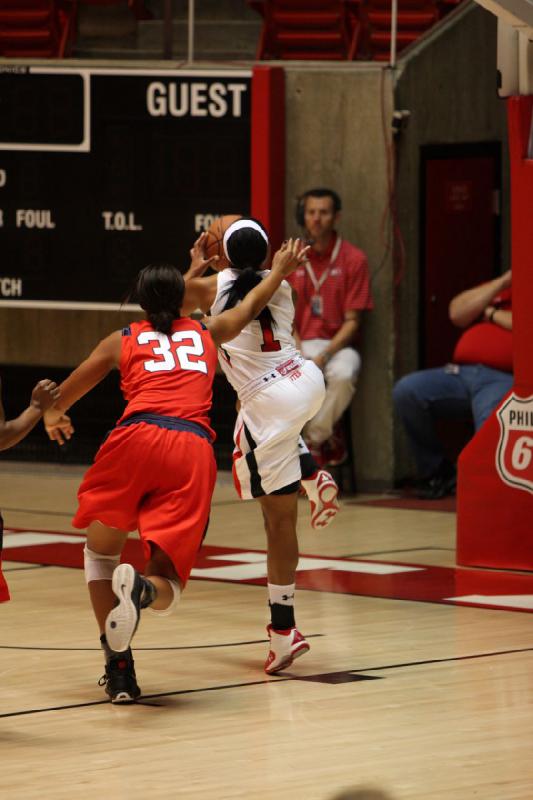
(168, 349)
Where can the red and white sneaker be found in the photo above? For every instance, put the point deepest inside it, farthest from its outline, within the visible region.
(322, 492)
(285, 646)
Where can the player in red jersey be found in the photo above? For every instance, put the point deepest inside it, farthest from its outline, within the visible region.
(156, 470)
(12, 431)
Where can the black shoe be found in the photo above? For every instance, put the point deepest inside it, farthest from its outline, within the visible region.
(437, 487)
(134, 593)
(119, 679)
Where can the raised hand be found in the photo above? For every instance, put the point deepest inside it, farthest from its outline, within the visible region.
(44, 395)
(199, 262)
(58, 426)
(290, 255)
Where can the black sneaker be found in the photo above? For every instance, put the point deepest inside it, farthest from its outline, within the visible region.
(119, 679)
(122, 621)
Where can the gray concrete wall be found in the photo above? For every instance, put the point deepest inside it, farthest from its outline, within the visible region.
(338, 135)
(449, 84)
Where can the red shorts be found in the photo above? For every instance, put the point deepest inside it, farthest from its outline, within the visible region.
(154, 480)
(4, 591)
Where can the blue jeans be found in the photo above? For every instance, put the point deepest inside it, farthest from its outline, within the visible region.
(453, 391)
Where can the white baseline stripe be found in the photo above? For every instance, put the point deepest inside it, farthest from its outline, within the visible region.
(255, 567)
(506, 600)
(304, 564)
(30, 539)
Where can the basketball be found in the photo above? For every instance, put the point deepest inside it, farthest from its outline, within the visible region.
(215, 236)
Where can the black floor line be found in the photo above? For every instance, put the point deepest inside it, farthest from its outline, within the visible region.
(450, 659)
(148, 649)
(272, 679)
(144, 699)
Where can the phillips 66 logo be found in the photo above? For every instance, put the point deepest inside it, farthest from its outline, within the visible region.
(514, 457)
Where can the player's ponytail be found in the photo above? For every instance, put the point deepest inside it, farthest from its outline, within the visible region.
(161, 321)
(246, 248)
(159, 290)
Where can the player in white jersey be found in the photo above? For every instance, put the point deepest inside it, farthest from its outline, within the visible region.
(278, 391)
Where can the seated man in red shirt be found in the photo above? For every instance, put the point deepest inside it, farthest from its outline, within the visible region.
(475, 382)
(333, 289)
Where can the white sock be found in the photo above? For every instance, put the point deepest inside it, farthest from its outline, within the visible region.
(283, 595)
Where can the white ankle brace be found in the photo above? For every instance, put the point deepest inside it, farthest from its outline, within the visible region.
(164, 612)
(97, 566)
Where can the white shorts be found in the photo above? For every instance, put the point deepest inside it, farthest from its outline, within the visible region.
(266, 456)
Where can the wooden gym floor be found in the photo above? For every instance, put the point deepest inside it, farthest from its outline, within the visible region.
(421, 696)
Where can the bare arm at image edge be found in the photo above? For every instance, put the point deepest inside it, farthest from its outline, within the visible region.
(468, 306)
(14, 430)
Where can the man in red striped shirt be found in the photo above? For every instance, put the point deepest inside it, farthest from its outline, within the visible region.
(333, 289)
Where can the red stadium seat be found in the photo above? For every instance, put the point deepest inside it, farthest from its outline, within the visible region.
(36, 28)
(414, 17)
(308, 29)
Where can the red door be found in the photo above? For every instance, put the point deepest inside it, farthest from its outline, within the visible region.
(461, 238)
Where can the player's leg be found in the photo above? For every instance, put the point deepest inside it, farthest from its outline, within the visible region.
(159, 590)
(161, 573)
(101, 558)
(489, 387)
(286, 642)
(420, 398)
(267, 467)
(4, 591)
(172, 519)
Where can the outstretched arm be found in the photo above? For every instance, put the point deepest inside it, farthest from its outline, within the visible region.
(12, 431)
(227, 325)
(471, 304)
(101, 361)
(199, 291)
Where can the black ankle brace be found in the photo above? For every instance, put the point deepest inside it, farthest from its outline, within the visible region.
(282, 617)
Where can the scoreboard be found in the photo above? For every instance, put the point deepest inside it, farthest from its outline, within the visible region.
(103, 171)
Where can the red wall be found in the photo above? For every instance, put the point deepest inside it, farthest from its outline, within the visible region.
(268, 150)
(495, 480)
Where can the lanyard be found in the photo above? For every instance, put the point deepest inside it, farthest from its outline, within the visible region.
(318, 283)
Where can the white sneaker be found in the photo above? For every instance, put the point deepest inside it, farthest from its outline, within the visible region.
(285, 646)
(322, 492)
(123, 619)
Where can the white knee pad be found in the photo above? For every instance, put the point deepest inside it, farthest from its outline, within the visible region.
(98, 567)
(164, 612)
